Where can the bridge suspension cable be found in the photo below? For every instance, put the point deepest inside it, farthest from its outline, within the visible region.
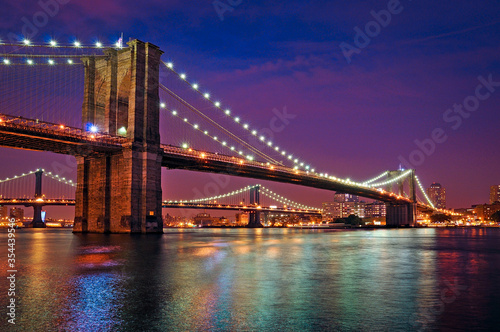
(423, 192)
(214, 123)
(206, 199)
(15, 177)
(375, 178)
(237, 119)
(397, 178)
(60, 179)
(285, 200)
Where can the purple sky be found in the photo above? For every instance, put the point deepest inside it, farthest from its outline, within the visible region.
(352, 119)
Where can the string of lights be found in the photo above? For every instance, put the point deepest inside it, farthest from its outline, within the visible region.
(423, 192)
(375, 178)
(75, 44)
(285, 200)
(206, 133)
(399, 177)
(237, 119)
(18, 176)
(60, 179)
(213, 198)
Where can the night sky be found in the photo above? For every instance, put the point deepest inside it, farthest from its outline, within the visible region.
(359, 104)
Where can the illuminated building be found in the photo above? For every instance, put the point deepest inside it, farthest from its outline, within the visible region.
(494, 194)
(437, 195)
(484, 211)
(375, 210)
(3, 212)
(17, 213)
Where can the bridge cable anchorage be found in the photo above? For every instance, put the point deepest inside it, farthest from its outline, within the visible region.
(399, 177)
(423, 192)
(235, 137)
(375, 178)
(285, 200)
(237, 119)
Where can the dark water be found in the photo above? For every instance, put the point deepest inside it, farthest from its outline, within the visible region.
(256, 280)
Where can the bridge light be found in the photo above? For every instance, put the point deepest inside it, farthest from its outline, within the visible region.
(254, 132)
(290, 157)
(195, 86)
(6, 61)
(224, 143)
(276, 148)
(29, 61)
(195, 126)
(183, 76)
(245, 126)
(98, 44)
(77, 43)
(227, 112)
(53, 43)
(217, 104)
(61, 126)
(174, 112)
(51, 62)
(170, 65)
(122, 131)
(206, 95)
(185, 145)
(215, 138)
(205, 132)
(93, 129)
(262, 138)
(185, 120)
(237, 119)
(70, 62)
(26, 42)
(269, 143)
(163, 105)
(283, 153)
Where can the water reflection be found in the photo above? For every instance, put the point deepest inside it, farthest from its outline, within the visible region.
(266, 279)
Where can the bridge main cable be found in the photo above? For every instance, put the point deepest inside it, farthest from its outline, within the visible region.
(243, 142)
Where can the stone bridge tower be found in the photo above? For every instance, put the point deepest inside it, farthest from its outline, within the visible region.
(121, 192)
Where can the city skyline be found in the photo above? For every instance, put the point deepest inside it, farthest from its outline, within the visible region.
(350, 102)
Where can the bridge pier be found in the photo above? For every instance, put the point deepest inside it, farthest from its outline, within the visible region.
(254, 216)
(37, 209)
(121, 192)
(401, 215)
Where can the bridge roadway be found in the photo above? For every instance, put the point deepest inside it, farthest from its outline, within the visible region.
(71, 202)
(29, 134)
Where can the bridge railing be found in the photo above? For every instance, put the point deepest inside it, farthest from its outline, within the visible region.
(35, 125)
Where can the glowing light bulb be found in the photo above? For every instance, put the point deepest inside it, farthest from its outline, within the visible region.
(70, 61)
(206, 95)
(53, 43)
(195, 86)
(93, 129)
(217, 104)
(77, 43)
(26, 42)
(183, 76)
(29, 61)
(174, 112)
(6, 61)
(227, 112)
(163, 105)
(51, 62)
(98, 44)
(170, 65)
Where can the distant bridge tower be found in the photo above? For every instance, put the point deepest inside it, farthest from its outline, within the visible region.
(404, 214)
(254, 216)
(121, 192)
(37, 214)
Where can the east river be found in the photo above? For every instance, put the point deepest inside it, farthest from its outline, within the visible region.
(254, 280)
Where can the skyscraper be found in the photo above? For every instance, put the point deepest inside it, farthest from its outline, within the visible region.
(437, 195)
(494, 194)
